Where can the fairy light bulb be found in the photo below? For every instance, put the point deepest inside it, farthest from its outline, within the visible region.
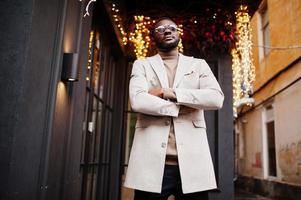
(117, 20)
(242, 62)
(140, 37)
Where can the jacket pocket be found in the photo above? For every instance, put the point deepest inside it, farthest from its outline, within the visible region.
(199, 123)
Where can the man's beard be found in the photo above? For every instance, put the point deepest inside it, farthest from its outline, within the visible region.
(167, 46)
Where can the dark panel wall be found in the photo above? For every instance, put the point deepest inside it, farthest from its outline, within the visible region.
(30, 61)
(211, 117)
(117, 134)
(71, 188)
(111, 191)
(220, 130)
(63, 137)
(223, 133)
(41, 117)
(13, 40)
(226, 141)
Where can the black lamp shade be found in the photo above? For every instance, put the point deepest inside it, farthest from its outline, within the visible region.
(70, 67)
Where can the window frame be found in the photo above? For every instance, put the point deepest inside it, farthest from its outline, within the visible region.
(265, 142)
(263, 28)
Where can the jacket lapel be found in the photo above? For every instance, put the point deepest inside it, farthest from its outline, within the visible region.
(184, 65)
(157, 64)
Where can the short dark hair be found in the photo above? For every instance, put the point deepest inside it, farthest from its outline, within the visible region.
(163, 18)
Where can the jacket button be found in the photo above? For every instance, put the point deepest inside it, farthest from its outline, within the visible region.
(163, 145)
(167, 123)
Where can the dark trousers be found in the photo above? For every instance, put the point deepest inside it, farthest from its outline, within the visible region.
(171, 186)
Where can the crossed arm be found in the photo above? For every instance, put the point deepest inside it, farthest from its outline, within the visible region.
(153, 101)
(170, 95)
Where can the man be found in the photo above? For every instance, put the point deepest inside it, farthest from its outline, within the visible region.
(170, 152)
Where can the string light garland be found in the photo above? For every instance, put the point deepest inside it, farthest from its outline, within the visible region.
(210, 32)
(140, 36)
(87, 7)
(217, 34)
(236, 80)
(181, 33)
(118, 23)
(91, 38)
(242, 63)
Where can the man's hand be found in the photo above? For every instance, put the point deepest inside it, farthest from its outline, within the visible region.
(186, 109)
(158, 92)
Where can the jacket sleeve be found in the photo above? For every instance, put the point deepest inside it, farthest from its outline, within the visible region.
(143, 102)
(209, 96)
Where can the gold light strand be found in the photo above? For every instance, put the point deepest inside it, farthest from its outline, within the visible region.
(90, 55)
(242, 62)
(181, 33)
(236, 79)
(118, 22)
(244, 47)
(140, 37)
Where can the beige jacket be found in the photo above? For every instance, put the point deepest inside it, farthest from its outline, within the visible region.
(195, 86)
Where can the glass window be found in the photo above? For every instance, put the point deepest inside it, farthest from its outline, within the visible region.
(98, 132)
(83, 142)
(265, 29)
(92, 131)
(96, 63)
(94, 182)
(112, 81)
(90, 58)
(131, 118)
(104, 67)
(97, 124)
(270, 147)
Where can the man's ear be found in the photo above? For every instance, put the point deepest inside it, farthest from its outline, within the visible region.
(152, 37)
(151, 33)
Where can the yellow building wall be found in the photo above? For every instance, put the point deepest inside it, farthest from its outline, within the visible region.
(250, 155)
(285, 31)
(287, 109)
(288, 134)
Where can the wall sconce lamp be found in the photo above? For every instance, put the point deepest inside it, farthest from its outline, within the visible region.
(70, 67)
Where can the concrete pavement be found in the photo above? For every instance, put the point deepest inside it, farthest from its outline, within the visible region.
(243, 195)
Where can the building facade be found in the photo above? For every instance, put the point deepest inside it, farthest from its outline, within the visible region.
(58, 138)
(268, 135)
(62, 139)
